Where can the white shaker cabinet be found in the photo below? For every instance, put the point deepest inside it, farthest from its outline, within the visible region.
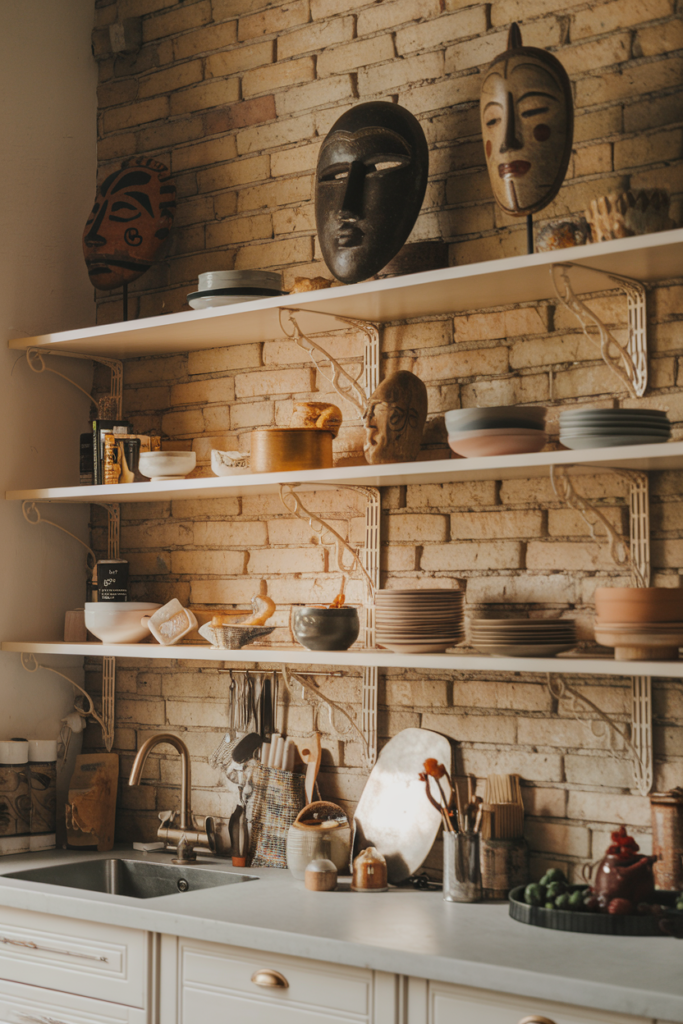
(209, 983)
(433, 1002)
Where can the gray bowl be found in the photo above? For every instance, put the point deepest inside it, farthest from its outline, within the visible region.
(326, 629)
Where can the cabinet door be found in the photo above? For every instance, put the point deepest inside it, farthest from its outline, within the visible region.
(455, 1004)
(26, 1004)
(215, 983)
(88, 959)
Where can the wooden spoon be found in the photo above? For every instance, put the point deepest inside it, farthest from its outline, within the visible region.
(311, 755)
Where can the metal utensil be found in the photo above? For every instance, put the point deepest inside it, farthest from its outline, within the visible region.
(246, 748)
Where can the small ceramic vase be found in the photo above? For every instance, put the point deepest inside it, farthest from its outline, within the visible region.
(369, 872)
(321, 876)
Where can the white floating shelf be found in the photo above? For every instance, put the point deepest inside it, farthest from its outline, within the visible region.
(647, 258)
(359, 658)
(507, 467)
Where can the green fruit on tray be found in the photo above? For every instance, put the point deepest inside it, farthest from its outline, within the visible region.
(562, 901)
(534, 894)
(679, 903)
(554, 875)
(550, 905)
(555, 889)
(576, 899)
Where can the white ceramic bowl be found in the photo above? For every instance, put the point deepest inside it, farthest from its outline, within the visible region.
(167, 465)
(118, 622)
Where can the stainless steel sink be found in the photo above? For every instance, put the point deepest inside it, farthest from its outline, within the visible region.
(139, 878)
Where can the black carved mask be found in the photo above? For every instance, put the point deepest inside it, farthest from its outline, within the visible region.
(370, 183)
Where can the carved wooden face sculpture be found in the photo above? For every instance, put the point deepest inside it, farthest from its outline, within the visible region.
(131, 218)
(527, 118)
(395, 418)
(370, 183)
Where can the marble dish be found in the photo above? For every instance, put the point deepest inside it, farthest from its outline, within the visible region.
(167, 465)
(119, 622)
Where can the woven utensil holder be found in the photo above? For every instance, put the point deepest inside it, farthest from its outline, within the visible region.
(278, 797)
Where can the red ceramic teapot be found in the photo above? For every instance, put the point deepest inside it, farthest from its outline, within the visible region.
(623, 873)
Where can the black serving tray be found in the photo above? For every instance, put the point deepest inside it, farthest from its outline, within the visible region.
(591, 923)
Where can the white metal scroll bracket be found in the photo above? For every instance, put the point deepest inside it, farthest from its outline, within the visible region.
(369, 568)
(105, 721)
(633, 554)
(628, 362)
(109, 406)
(637, 741)
(346, 386)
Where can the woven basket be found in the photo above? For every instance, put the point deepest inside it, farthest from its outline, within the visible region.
(278, 798)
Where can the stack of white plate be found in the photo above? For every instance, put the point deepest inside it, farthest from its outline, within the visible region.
(225, 287)
(522, 638)
(609, 428)
(497, 431)
(419, 621)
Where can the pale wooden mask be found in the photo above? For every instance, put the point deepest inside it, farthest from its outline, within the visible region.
(527, 118)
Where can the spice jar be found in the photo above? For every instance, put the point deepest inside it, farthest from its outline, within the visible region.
(369, 872)
(667, 838)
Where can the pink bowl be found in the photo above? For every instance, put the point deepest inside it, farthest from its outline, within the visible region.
(496, 443)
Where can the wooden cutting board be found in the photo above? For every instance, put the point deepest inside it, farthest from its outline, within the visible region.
(91, 807)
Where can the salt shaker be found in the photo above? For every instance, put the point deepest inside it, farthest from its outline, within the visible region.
(369, 872)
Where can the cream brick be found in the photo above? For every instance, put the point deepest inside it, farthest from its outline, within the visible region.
(294, 161)
(296, 531)
(205, 508)
(355, 55)
(398, 559)
(619, 14)
(505, 324)
(605, 486)
(237, 172)
(589, 770)
(203, 40)
(277, 76)
(667, 554)
(204, 563)
(444, 93)
(415, 692)
(438, 31)
(416, 529)
(656, 39)
(149, 563)
(275, 193)
(593, 159)
(539, 767)
(472, 555)
(240, 58)
(192, 713)
(597, 124)
(239, 229)
(569, 840)
(156, 535)
(234, 534)
(215, 151)
(291, 220)
(496, 525)
(144, 712)
(620, 810)
(462, 494)
(203, 97)
(458, 363)
(548, 351)
(218, 360)
(174, 78)
(203, 445)
(566, 523)
(391, 15)
(134, 114)
(202, 392)
(528, 589)
(273, 20)
(252, 414)
(668, 145)
(183, 424)
(277, 382)
(545, 803)
(478, 52)
(330, 90)
(610, 86)
(560, 555)
(510, 696)
(398, 73)
(274, 254)
(589, 380)
(316, 36)
(568, 734)
(510, 391)
(430, 334)
(287, 560)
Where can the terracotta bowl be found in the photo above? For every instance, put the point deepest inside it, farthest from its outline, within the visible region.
(498, 442)
(638, 604)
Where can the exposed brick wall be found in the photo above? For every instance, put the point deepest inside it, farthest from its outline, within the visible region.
(236, 99)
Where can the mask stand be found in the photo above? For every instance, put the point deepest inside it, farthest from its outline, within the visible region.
(125, 301)
(529, 234)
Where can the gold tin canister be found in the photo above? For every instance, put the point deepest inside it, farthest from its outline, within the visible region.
(278, 449)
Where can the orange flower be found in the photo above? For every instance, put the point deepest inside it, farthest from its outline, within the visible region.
(433, 768)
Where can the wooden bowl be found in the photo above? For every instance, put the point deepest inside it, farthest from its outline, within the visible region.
(279, 449)
(638, 604)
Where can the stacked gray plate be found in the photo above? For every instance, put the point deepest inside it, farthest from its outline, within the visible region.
(473, 433)
(225, 287)
(609, 428)
(419, 621)
(522, 638)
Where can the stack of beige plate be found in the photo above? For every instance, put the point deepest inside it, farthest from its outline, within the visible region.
(522, 638)
(640, 623)
(419, 621)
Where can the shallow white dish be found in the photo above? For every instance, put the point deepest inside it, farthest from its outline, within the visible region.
(198, 301)
(417, 648)
(223, 463)
(496, 416)
(167, 465)
(119, 622)
(522, 650)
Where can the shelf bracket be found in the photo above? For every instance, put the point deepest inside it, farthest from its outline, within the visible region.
(30, 663)
(32, 515)
(628, 362)
(346, 386)
(109, 406)
(634, 553)
(368, 564)
(637, 739)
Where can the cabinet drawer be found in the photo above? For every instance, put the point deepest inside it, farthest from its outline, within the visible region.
(215, 979)
(26, 1004)
(88, 959)
(450, 1003)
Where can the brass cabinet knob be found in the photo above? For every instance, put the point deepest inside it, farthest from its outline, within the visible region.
(270, 979)
(535, 1019)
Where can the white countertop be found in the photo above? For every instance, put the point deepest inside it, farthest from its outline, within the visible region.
(401, 931)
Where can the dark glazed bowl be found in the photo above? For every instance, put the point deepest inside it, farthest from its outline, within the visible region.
(326, 629)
